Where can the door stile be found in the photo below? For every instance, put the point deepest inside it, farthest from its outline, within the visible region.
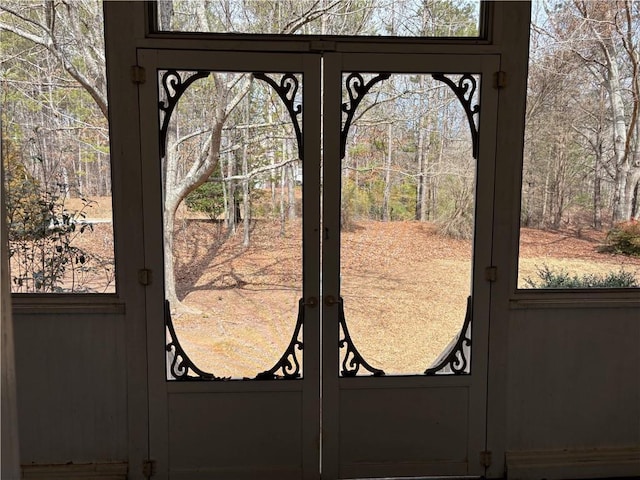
(331, 186)
(482, 259)
(154, 256)
(311, 217)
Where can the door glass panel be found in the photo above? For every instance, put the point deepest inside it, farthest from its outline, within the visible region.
(407, 219)
(232, 186)
(394, 18)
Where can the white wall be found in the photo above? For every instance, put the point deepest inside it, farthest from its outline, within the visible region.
(72, 396)
(573, 391)
(573, 384)
(574, 378)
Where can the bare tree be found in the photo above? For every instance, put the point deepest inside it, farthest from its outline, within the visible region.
(71, 32)
(603, 36)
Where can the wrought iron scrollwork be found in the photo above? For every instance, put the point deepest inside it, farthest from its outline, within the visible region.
(465, 90)
(287, 90)
(174, 87)
(457, 361)
(352, 361)
(356, 89)
(288, 367)
(179, 365)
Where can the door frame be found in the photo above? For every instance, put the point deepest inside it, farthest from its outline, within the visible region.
(129, 26)
(334, 64)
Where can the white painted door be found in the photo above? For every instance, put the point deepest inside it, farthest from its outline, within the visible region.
(292, 357)
(405, 392)
(232, 394)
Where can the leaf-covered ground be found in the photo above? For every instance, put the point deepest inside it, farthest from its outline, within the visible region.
(404, 287)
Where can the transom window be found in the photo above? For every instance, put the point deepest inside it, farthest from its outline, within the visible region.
(388, 18)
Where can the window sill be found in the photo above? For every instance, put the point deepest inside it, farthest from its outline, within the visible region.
(575, 298)
(28, 303)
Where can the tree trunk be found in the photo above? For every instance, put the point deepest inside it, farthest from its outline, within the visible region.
(246, 213)
(170, 205)
(245, 193)
(623, 192)
(225, 194)
(272, 185)
(386, 199)
(177, 186)
(169, 216)
(165, 12)
(245, 172)
(282, 212)
(291, 185)
(597, 194)
(420, 184)
(288, 171)
(422, 189)
(231, 198)
(635, 211)
(633, 187)
(283, 172)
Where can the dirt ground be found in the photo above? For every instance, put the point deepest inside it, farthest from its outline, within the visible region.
(404, 287)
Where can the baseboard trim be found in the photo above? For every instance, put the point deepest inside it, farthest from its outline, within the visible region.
(408, 470)
(573, 463)
(237, 473)
(71, 471)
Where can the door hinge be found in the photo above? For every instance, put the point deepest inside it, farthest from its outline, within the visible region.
(144, 276)
(485, 458)
(491, 274)
(138, 74)
(500, 79)
(148, 468)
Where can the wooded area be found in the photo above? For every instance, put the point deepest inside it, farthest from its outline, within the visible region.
(408, 154)
(582, 155)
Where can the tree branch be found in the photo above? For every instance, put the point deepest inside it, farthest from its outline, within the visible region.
(258, 171)
(47, 40)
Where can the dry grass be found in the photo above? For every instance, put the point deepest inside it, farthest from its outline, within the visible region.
(574, 252)
(98, 207)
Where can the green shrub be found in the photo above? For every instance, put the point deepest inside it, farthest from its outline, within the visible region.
(27, 212)
(403, 201)
(549, 278)
(42, 235)
(45, 258)
(208, 199)
(623, 238)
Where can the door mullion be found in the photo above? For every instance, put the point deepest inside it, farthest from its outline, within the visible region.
(311, 208)
(331, 263)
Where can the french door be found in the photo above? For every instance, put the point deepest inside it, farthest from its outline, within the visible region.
(301, 323)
